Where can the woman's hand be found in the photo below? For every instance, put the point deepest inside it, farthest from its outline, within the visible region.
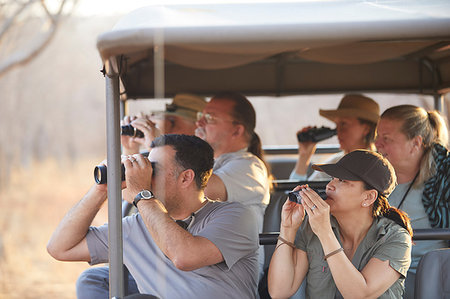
(318, 211)
(292, 213)
(306, 148)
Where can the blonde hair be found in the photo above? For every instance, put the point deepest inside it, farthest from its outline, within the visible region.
(430, 125)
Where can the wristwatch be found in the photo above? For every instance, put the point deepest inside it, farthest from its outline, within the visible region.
(144, 194)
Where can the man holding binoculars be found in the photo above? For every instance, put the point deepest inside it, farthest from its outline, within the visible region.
(178, 118)
(180, 244)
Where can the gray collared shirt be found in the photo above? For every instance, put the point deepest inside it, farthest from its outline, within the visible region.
(385, 240)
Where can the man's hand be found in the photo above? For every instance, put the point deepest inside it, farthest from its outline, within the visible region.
(138, 175)
(130, 144)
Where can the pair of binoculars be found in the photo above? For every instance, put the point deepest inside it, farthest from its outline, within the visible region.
(100, 172)
(316, 134)
(295, 196)
(129, 130)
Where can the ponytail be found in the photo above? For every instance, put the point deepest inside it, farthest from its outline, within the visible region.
(255, 147)
(382, 208)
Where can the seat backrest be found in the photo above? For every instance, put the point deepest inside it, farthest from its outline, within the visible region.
(433, 275)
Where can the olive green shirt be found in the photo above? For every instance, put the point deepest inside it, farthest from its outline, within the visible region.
(385, 240)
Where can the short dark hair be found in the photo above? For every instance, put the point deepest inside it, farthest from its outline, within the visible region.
(191, 152)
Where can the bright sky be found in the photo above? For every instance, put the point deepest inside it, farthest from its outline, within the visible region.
(113, 7)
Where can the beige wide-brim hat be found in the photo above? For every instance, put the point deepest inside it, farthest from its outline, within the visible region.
(185, 105)
(354, 105)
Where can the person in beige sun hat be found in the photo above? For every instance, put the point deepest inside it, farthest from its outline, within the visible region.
(179, 117)
(354, 105)
(356, 120)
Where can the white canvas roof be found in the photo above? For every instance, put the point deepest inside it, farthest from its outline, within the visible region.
(286, 48)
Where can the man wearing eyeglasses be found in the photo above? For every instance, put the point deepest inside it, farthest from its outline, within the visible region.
(240, 174)
(179, 117)
(213, 255)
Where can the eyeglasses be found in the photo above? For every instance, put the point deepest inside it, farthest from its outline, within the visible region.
(209, 119)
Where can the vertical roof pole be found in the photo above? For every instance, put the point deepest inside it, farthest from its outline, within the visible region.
(116, 277)
(439, 102)
(158, 62)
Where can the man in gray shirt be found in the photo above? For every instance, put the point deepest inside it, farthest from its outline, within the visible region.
(214, 255)
(240, 174)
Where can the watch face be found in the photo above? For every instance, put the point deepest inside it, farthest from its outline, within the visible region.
(146, 194)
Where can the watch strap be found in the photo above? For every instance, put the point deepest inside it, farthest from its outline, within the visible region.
(140, 196)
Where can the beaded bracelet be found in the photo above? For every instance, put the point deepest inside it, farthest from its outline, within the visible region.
(333, 253)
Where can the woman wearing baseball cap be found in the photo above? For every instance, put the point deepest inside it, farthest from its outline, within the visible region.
(353, 244)
(356, 121)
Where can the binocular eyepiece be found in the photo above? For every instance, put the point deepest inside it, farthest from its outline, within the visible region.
(100, 173)
(316, 134)
(129, 130)
(295, 196)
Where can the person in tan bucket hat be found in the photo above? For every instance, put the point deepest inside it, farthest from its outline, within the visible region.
(354, 105)
(179, 117)
(356, 120)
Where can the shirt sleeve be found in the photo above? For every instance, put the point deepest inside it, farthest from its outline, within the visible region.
(97, 241)
(232, 229)
(245, 180)
(396, 248)
(297, 177)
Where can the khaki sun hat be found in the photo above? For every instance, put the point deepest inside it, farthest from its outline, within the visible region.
(185, 105)
(354, 105)
(363, 165)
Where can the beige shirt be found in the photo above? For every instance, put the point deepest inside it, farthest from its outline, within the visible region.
(385, 240)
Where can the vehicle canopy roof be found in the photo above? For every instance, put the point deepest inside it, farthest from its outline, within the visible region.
(284, 48)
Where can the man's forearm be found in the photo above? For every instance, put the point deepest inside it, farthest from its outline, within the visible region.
(66, 241)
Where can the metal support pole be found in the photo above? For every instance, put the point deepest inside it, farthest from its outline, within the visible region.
(116, 279)
(439, 102)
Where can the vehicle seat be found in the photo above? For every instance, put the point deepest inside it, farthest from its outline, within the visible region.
(433, 275)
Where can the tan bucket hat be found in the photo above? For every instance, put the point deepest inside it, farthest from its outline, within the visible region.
(185, 105)
(354, 105)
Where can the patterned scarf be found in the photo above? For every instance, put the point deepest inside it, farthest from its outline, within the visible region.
(436, 193)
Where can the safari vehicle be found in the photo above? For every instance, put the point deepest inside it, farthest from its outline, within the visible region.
(270, 49)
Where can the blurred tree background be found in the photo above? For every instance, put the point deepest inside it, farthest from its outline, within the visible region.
(52, 103)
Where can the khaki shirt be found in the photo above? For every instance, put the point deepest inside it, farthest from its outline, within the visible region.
(385, 240)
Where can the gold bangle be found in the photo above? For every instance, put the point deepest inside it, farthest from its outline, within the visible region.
(290, 244)
(333, 253)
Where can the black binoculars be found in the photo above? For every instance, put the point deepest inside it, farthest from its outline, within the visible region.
(295, 196)
(129, 130)
(101, 170)
(316, 134)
